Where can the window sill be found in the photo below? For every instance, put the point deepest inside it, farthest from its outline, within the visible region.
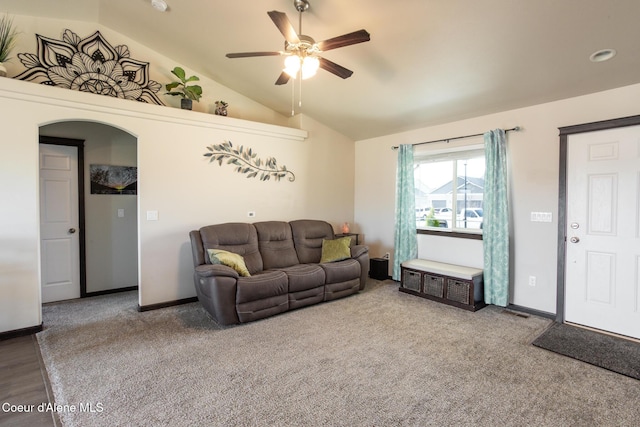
(456, 234)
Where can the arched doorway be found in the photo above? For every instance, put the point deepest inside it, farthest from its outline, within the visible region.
(107, 222)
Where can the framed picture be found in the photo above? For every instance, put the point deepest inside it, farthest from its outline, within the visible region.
(108, 179)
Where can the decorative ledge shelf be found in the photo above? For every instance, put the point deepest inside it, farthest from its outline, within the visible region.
(59, 97)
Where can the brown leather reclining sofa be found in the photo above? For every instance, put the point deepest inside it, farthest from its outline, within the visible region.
(283, 263)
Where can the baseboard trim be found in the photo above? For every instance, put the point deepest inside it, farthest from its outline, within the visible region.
(149, 307)
(527, 310)
(109, 291)
(20, 332)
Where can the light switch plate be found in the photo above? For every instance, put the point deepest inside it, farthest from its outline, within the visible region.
(152, 215)
(541, 217)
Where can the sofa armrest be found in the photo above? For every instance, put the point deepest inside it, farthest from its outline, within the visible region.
(197, 249)
(210, 270)
(217, 294)
(358, 250)
(361, 254)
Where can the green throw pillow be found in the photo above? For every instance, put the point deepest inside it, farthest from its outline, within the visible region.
(235, 261)
(336, 250)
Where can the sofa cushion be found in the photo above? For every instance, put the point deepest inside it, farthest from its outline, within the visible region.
(336, 249)
(338, 290)
(260, 286)
(341, 271)
(306, 285)
(275, 242)
(304, 276)
(307, 237)
(262, 295)
(235, 261)
(236, 237)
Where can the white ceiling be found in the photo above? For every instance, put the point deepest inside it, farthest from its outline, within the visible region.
(428, 61)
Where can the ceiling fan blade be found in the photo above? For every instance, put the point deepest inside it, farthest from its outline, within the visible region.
(283, 79)
(344, 40)
(334, 68)
(251, 54)
(284, 25)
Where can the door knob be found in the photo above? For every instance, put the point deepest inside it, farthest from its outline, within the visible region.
(72, 230)
(574, 240)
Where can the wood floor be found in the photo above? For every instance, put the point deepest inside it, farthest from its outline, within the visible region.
(23, 381)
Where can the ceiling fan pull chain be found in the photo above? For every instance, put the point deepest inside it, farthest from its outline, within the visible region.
(300, 93)
(293, 98)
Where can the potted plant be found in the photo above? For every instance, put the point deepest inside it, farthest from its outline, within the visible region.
(7, 41)
(179, 88)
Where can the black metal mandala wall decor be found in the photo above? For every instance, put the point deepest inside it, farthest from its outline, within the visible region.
(90, 65)
(246, 161)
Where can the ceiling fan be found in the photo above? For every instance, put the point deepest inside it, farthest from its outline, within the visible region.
(302, 52)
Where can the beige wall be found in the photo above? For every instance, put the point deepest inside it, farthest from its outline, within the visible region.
(175, 179)
(534, 165)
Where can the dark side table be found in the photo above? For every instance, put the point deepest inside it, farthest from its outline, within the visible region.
(356, 235)
(379, 268)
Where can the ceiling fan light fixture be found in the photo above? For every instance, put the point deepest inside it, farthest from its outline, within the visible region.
(302, 52)
(310, 66)
(292, 65)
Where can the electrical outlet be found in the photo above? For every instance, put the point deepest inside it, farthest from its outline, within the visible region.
(386, 255)
(532, 280)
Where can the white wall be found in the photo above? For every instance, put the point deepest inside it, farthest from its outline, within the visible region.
(534, 165)
(111, 241)
(175, 179)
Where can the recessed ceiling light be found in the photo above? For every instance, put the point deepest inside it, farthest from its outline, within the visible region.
(602, 55)
(159, 5)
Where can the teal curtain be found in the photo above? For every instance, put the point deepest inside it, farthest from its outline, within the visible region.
(405, 238)
(496, 220)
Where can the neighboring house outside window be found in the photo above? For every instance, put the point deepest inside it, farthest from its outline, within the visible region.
(449, 190)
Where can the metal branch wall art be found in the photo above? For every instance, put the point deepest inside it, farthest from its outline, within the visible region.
(246, 161)
(90, 65)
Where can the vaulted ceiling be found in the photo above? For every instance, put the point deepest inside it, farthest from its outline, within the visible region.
(428, 61)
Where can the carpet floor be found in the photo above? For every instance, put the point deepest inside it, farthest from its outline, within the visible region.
(378, 358)
(606, 351)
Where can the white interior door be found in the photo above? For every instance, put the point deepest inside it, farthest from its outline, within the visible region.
(59, 236)
(602, 282)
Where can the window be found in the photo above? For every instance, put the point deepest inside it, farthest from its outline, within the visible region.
(449, 190)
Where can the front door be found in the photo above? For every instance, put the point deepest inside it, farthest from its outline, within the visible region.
(59, 223)
(602, 277)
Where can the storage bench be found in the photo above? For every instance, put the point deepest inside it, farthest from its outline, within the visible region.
(447, 283)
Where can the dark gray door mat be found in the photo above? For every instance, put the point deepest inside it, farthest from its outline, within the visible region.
(606, 351)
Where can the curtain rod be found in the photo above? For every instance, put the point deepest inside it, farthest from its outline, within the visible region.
(514, 129)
